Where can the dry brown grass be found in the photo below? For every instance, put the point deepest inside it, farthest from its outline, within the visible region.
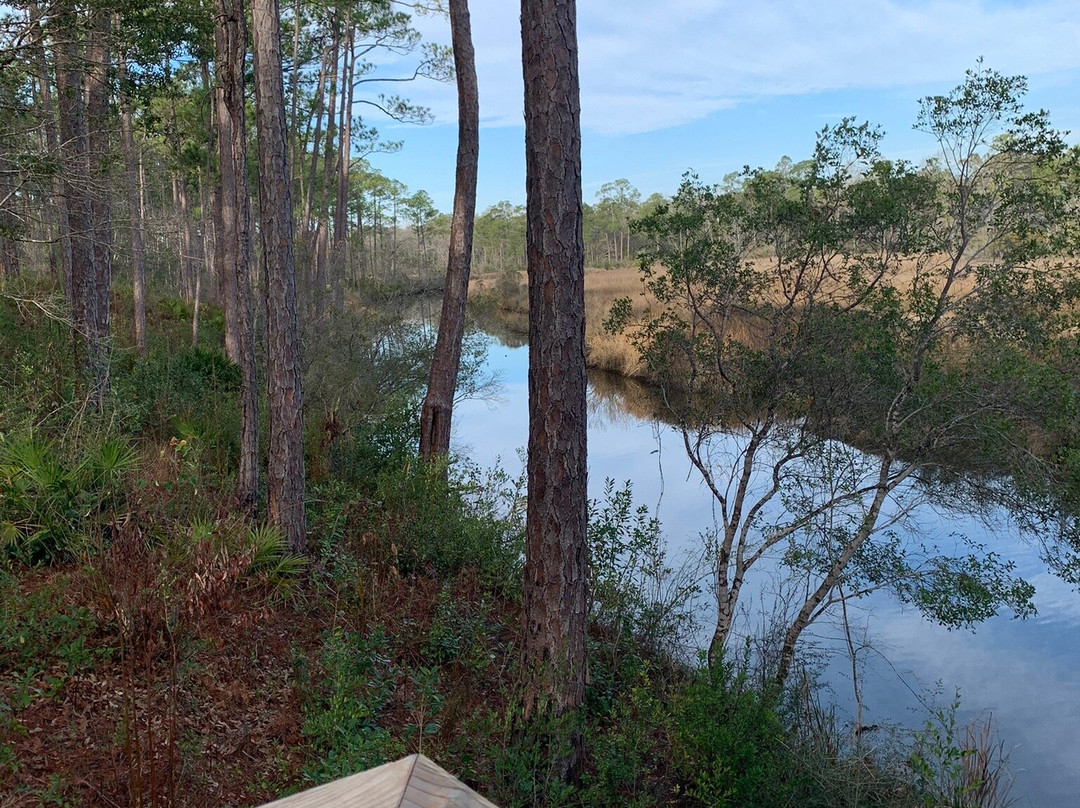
(602, 287)
(613, 353)
(616, 353)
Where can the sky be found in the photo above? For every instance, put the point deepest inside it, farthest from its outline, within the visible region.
(713, 85)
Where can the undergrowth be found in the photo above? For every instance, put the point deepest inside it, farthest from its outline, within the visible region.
(157, 650)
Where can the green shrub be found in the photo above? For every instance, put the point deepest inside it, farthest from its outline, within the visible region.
(527, 758)
(343, 718)
(728, 744)
(383, 443)
(195, 384)
(459, 632)
(441, 528)
(628, 749)
(49, 504)
(639, 602)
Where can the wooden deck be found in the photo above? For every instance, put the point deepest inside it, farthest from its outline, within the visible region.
(412, 782)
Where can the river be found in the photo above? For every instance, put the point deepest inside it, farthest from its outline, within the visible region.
(1026, 674)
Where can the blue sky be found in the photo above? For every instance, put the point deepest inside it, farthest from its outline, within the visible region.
(712, 85)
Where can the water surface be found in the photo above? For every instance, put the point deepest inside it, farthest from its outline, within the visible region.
(1025, 673)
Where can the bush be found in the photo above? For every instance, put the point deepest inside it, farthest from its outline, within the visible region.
(49, 504)
(440, 527)
(343, 719)
(195, 385)
(629, 749)
(637, 596)
(728, 743)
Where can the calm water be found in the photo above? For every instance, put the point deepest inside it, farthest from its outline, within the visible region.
(1025, 673)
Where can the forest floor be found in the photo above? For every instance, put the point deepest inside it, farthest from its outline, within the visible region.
(157, 651)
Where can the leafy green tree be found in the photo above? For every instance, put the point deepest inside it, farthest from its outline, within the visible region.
(500, 237)
(843, 342)
(420, 211)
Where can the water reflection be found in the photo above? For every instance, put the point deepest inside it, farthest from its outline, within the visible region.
(616, 399)
(1023, 672)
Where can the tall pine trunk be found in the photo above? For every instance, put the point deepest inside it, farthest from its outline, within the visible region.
(230, 43)
(75, 160)
(9, 248)
(438, 407)
(52, 143)
(285, 477)
(100, 148)
(309, 186)
(322, 225)
(131, 190)
(341, 208)
(555, 590)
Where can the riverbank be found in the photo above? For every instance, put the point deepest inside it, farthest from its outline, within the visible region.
(155, 650)
(503, 297)
(1019, 673)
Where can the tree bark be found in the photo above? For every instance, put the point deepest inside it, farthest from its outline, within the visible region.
(555, 590)
(187, 248)
(294, 93)
(341, 209)
(131, 188)
(100, 148)
(309, 188)
(225, 198)
(285, 477)
(56, 182)
(9, 248)
(322, 224)
(209, 220)
(196, 302)
(438, 407)
(75, 159)
(230, 43)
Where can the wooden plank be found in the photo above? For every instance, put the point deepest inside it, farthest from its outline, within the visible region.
(412, 782)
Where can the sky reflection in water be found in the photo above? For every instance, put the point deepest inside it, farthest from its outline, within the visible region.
(1026, 673)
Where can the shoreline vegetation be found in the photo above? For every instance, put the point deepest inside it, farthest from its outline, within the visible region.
(501, 297)
(155, 650)
(236, 557)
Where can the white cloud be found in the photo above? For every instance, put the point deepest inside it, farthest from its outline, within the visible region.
(647, 65)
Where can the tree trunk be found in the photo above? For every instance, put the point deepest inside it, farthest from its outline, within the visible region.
(187, 248)
(196, 302)
(322, 224)
(98, 123)
(75, 159)
(285, 476)
(131, 188)
(208, 176)
(727, 599)
(225, 201)
(294, 93)
(57, 184)
(436, 413)
(555, 590)
(9, 248)
(230, 43)
(309, 190)
(809, 610)
(341, 209)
